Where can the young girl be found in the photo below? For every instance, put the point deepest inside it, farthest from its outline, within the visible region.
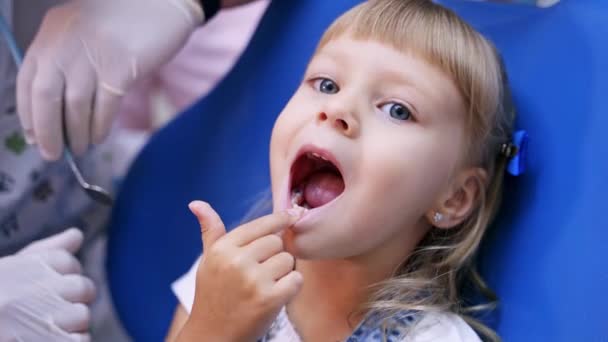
(386, 169)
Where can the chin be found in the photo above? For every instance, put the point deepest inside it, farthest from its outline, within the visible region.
(296, 246)
(313, 246)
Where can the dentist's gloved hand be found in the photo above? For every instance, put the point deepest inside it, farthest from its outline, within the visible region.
(42, 294)
(86, 54)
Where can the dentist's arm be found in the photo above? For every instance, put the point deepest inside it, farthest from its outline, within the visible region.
(87, 54)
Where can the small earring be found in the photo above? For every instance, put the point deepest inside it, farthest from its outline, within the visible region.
(437, 217)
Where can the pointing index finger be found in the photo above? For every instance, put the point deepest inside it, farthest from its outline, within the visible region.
(263, 226)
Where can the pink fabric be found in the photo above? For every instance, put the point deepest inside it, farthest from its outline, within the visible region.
(209, 54)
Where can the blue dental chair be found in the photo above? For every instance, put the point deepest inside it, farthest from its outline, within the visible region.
(545, 257)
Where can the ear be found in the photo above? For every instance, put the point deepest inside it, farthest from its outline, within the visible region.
(460, 199)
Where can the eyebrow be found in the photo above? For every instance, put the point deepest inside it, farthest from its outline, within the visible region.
(325, 57)
(400, 78)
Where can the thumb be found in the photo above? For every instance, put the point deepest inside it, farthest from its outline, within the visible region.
(70, 240)
(212, 227)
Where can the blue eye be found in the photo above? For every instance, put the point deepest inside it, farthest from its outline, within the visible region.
(397, 111)
(325, 85)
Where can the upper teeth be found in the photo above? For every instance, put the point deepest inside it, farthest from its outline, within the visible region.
(314, 154)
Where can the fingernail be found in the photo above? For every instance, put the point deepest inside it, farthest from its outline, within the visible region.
(195, 205)
(298, 278)
(295, 212)
(46, 155)
(28, 134)
(192, 205)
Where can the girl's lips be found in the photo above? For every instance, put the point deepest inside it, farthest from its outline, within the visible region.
(310, 216)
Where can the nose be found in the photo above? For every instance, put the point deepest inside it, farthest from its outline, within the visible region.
(339, 120)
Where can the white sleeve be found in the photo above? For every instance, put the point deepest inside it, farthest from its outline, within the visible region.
(445, 327)
(184, 286)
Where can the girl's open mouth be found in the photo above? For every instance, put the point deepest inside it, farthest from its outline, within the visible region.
(316, 179)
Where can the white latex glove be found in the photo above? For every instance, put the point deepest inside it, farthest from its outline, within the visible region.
(86, 54)
(42, 294)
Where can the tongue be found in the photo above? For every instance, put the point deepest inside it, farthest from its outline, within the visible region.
(322, 187)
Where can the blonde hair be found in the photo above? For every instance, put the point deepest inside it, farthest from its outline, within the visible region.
(432, 277)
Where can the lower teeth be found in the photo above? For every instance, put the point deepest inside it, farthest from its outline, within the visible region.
(297, 197)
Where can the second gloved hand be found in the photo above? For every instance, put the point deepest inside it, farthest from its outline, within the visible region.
(42, 294)
(86, 55)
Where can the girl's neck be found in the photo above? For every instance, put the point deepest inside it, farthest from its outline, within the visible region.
(329, 305)
(326, 309)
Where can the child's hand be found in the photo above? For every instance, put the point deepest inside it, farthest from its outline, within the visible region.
(244, 278)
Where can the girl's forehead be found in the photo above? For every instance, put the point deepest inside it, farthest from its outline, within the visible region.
(345, 45)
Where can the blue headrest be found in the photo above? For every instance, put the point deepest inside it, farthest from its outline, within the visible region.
(544, 258)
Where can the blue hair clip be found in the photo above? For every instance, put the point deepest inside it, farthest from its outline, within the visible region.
(516, 151)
